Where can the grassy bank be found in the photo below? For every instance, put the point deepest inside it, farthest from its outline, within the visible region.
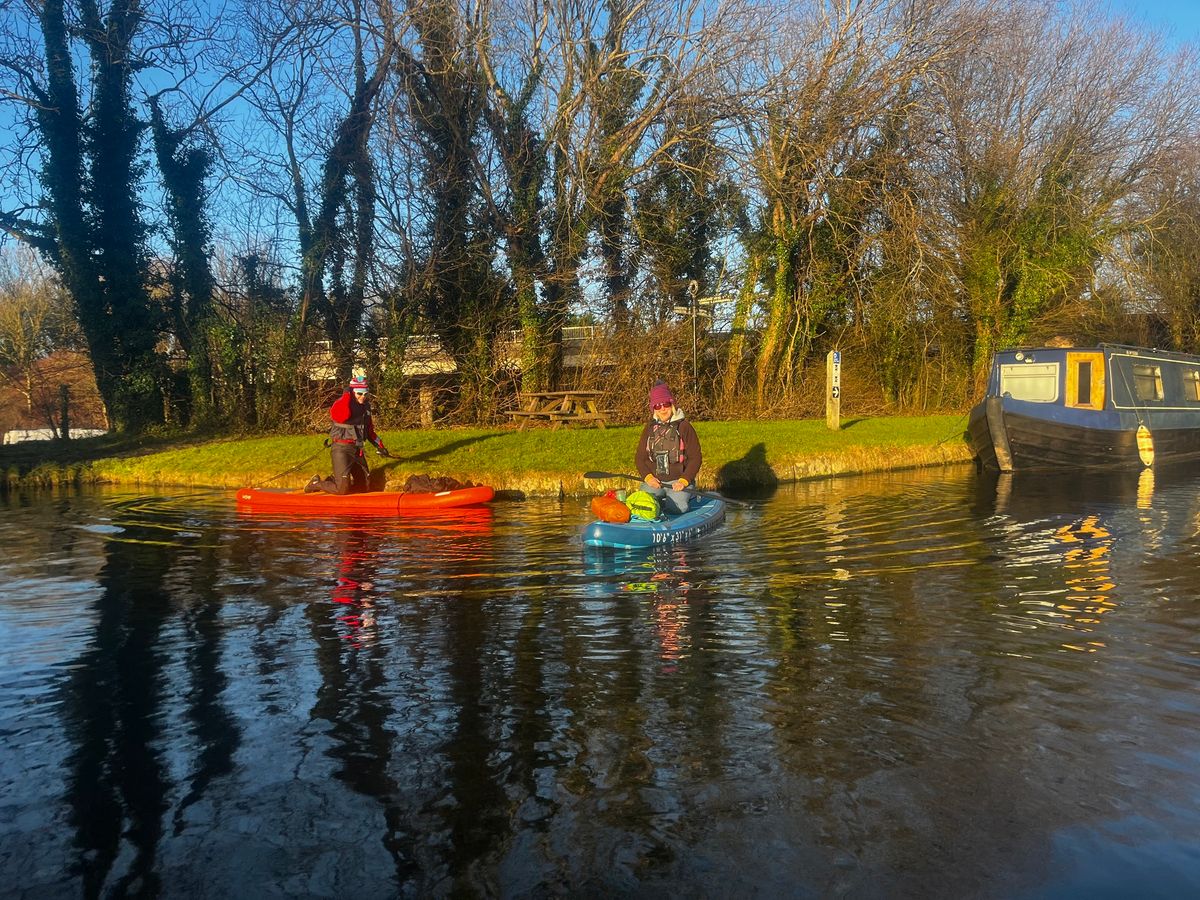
(536, 461)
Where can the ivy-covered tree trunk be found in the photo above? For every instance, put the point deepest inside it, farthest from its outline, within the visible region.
(773, 364)
(737, 331)
(342, 187)
(343, 308)
(363, 173)
(1018, 263)
(522, 153)
(93, 232)
(184, 170)
(533, 372)
(463, 298)
(67, 243)
(614, 235)
(617, 88)
(572, 218)
(120, 237)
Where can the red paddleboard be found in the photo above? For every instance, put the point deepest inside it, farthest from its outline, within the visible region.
(373, 502)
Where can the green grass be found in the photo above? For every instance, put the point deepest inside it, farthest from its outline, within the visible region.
(535, 461)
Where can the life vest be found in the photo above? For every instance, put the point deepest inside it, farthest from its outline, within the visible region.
(665, 444)
(354, 430)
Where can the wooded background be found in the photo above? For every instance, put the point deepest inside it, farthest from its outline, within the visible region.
(229, 207)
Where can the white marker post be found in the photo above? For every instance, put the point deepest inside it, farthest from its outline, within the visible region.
(833, 390)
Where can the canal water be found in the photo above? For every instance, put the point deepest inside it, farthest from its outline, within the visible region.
(922, 684)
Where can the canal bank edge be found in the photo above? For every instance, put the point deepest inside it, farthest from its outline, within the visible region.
(738, 456)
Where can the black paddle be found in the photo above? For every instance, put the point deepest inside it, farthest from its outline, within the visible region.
(687, 490)
(302, 462)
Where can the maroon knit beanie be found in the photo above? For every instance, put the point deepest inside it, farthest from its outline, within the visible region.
(660, 394)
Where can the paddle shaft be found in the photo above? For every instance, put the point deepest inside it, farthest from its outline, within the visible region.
(293, 468)
(687, 490)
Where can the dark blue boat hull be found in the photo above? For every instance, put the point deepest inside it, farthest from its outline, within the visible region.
(1109, 406)
(1009, 435)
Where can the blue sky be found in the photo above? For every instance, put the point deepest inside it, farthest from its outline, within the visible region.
(1181, 17)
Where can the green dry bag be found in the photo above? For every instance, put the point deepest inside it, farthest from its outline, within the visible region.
(642, 505)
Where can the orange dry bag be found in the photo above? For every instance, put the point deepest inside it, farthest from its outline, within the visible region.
(609, 509)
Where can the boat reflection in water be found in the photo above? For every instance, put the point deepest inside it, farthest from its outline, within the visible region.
(456, 518)
(1068, 537)
(662, 577)
(436, 535)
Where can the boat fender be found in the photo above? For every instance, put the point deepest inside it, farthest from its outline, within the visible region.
(1145, 446)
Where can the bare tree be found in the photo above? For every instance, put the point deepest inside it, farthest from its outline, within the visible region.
(1052, 121)
(316, 107)
(816, 97)
(1167, 251)
(512, 58)
(582, 104)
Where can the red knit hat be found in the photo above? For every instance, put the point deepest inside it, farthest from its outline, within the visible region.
(660, 394)
(358, 383)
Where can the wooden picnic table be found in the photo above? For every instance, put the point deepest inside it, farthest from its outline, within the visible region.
(560, 408)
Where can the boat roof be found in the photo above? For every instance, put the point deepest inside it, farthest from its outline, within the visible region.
(1107, 348)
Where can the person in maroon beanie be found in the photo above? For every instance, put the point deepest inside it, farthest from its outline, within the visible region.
(668, 453)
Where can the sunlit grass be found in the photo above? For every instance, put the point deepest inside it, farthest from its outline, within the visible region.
(535, 461)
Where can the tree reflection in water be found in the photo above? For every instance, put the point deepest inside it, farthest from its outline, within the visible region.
(876, 683)
(352, 697)
(118, 780)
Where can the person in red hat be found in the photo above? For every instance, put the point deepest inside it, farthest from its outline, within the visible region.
(668, 454)
(352, 428)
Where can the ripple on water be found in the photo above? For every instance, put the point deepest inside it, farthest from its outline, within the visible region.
(850, 673)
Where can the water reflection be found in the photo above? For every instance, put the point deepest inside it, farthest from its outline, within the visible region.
(848, 675)
(353, 590)
(351, 696)
(1088, 561)
(213, 726)
(118, 780)
(1068, 539)
(473, 804)
(664, 576)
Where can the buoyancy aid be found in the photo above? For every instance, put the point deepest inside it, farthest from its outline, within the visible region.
(356, 429)
(666, 448)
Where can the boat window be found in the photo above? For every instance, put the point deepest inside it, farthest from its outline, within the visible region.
(1147, 382)
(1035, 382)
(1083, 393)
(1191, 385)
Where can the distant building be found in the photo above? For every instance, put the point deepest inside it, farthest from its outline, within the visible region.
(424, 354)
(19, 435)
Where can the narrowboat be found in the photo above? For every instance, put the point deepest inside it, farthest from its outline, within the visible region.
(1105, 407)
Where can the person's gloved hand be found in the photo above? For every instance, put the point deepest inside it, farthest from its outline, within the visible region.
(383, 451)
